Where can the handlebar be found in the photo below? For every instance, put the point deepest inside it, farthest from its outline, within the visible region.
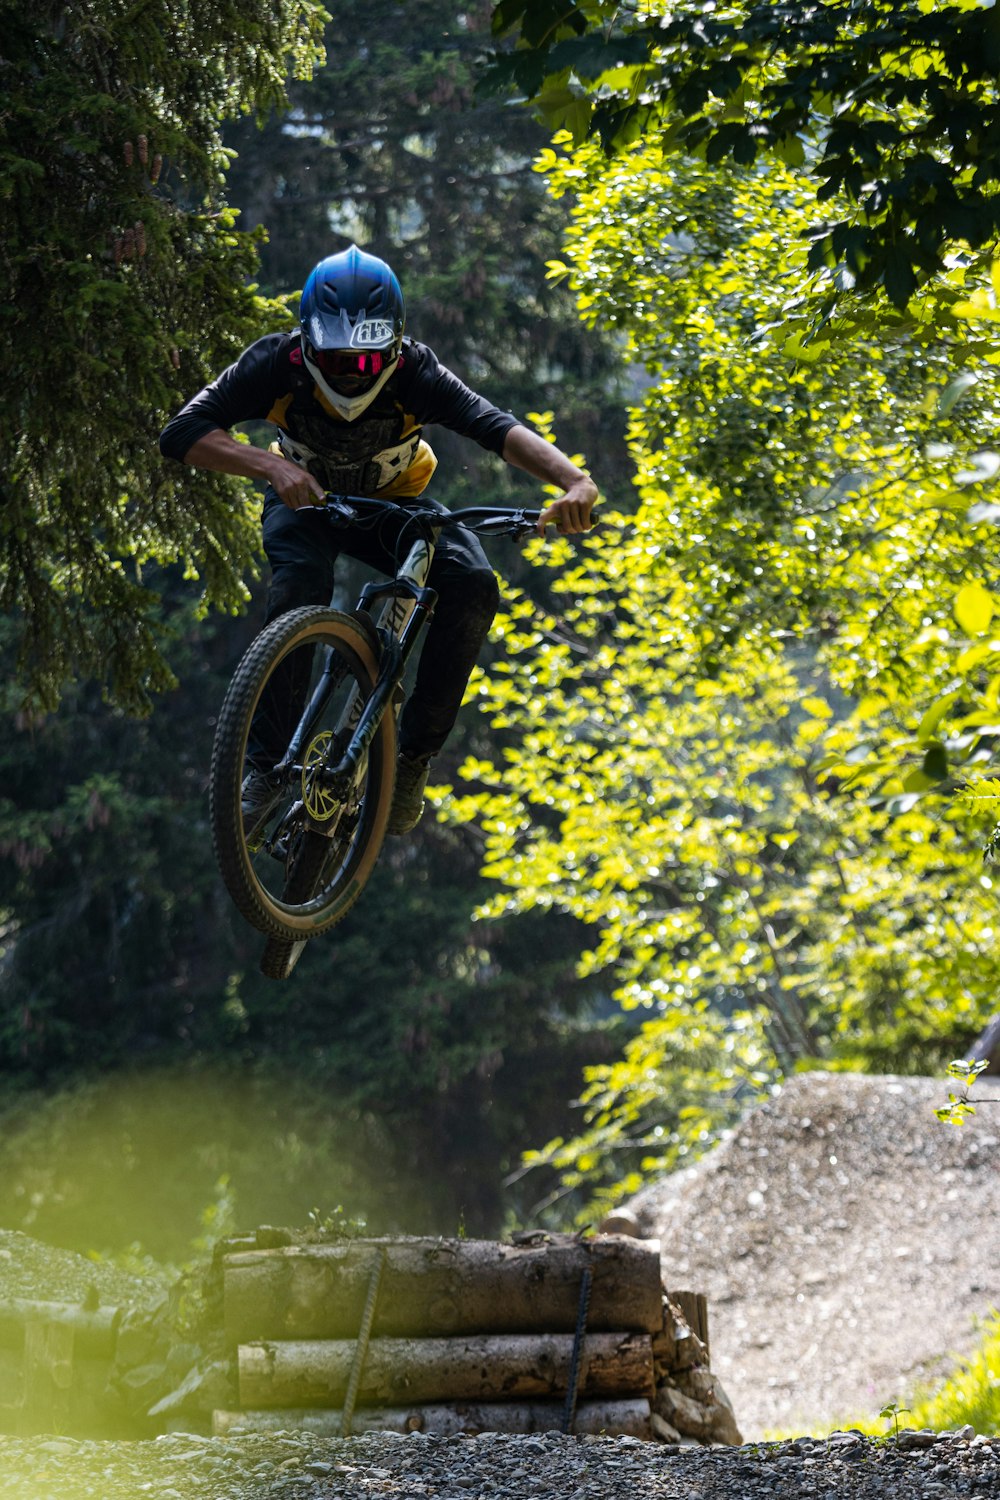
(485, 520)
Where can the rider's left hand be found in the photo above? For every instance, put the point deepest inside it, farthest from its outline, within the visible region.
(570, 514)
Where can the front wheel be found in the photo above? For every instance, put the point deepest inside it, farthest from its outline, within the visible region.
(305, 866)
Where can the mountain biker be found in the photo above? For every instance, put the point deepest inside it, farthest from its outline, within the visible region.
(349, 396)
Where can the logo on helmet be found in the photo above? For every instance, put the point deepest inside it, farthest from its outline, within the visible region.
(373, 333)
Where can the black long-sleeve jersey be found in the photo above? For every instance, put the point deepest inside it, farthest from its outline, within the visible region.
(380, 452)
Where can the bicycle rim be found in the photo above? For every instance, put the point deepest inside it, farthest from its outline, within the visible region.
(308, 863)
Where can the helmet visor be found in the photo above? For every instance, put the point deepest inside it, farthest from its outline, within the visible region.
(348, 371)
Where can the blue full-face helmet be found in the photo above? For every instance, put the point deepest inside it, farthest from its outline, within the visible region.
(352, 317)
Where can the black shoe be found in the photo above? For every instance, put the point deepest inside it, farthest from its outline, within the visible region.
(408, 796)
(260, 795)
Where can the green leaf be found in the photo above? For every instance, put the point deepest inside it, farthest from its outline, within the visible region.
(937, 711)
(593, 56)
(902, 802)
(791, 151)
(567, 106)
(935, 765)
(973, 608)
(898, 277)
(954, 391)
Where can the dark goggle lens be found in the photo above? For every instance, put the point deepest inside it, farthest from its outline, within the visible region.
(345, 367)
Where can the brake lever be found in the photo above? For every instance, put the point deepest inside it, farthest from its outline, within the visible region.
(338, 509)
(504, 526)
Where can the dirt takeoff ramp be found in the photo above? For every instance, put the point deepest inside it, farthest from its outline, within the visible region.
(847, 1241)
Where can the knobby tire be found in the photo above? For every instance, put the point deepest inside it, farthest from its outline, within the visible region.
(305, 908)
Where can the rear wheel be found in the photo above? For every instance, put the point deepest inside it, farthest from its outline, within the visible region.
(305, 866)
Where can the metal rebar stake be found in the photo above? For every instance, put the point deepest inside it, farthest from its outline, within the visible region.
(361, 1346)
(575, 1363)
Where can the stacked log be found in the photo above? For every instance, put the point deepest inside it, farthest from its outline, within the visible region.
(451, 1419)
(439, 1287)
(440, 1335)
(460, 1336)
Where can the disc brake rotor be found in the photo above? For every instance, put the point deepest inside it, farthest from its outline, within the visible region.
(319, 801)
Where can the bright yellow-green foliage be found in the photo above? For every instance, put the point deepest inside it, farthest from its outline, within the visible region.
(726, 742)
(971, 1395)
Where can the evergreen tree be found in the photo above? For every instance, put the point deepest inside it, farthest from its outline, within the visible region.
(453, 1042)
(438, 1043)
(124, 284)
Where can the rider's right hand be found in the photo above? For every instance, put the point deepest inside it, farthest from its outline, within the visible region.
(294, 485)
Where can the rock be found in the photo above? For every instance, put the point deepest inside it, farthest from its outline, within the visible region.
(917, 1437)
(200, 1390)
(622, 1221)
(682, 1412)
(698, 1383)
(663, 1430)
(140, 1337)
(723, 1427)
(694, 1404)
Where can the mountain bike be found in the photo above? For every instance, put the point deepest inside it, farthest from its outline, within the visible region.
(303, 869)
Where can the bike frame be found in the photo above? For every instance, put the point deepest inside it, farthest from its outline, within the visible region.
(408, 608)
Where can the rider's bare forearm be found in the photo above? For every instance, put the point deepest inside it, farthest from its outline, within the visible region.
(218, 451)
(526, 450)
(542, 460)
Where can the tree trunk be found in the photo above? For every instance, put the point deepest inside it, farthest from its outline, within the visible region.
(434, 1287)
(484, 1368)
(613, 1418)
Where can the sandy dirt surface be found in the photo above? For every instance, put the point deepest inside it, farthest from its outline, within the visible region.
(847, 1241)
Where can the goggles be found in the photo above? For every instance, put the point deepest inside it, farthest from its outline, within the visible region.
(348, 370)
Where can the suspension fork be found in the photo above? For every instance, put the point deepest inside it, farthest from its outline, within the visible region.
(408, 608)
(327, 681)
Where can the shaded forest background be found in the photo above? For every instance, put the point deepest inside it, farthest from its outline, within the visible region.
(146, 1059)
(718, 805)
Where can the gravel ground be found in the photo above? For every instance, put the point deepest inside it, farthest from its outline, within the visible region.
(848, 1244)
(292, 1467)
